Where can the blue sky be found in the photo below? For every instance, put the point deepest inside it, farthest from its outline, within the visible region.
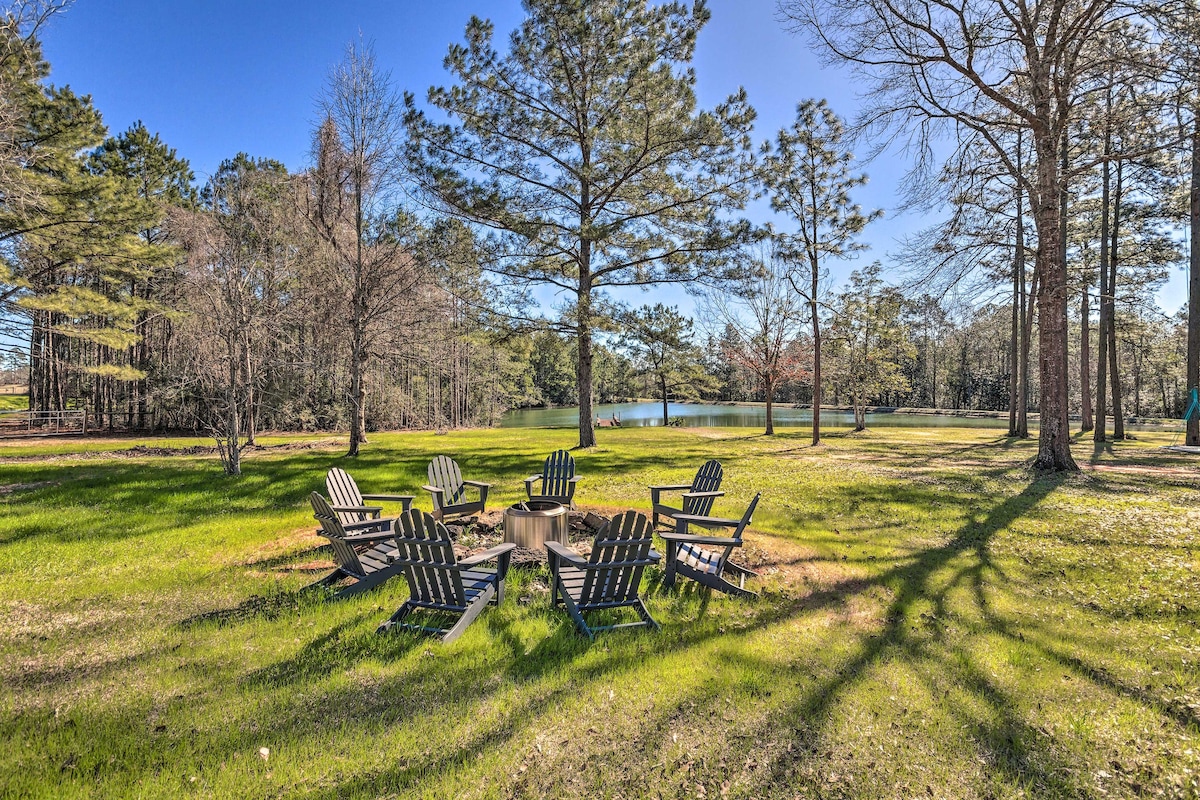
(215, 77)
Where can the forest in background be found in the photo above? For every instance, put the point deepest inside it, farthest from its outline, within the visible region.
(390, 283)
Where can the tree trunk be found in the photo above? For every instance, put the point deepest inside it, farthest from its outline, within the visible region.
(1193, 332)
(1014, 358)
(1024, 306)
(251, 395)
(358, 391)
(1028, 310)
(1113, 355)
(587, 430)
(662, 382)
(1085, 349)
(770, 387)
(1098, 433)
(816, 329)
(1054, 434)
(1137, 376)
(232, 450)
(1085, 390)
(933, 378)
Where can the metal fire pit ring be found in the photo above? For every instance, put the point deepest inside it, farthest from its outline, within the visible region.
(530, 525)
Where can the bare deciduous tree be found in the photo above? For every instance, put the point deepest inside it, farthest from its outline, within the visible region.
(352, 206)
(984, 66)
(234, 258)
(768, 318)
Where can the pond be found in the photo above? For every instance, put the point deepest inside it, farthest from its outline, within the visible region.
(705, 415)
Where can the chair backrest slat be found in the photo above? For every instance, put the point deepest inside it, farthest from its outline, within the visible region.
(708, 479)
(557, 473)
(444, 474)
(343, 553)
(432, 571)
(343, 491)
(620, 553)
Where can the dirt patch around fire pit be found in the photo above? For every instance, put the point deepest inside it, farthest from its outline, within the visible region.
(473, 535)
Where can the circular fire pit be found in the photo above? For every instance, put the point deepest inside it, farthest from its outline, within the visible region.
(530, 525)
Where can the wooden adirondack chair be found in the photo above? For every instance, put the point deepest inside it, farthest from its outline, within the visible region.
(609, 577)
(437, 581)
(365, 550)
(348, 501)
(449, 489)
(687, 554)
(698, 496)
(558, 480)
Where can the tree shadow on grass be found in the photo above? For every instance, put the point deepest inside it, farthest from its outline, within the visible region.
(1014, 749)
(255, 607)
(913, 583)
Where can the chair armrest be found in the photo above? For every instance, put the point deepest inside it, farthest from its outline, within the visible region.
(687, 538)
(533, 478)
(694, 494)
(488, 555)
(385, 522)
(434, 490)
(558, 552)
(477, 484)
(654, 556)
(363, 509)
(376, 536)
(707, 522)
(673, 487)
(573, 480)
(399, 498)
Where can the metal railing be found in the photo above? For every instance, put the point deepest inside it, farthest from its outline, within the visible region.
(42, 423)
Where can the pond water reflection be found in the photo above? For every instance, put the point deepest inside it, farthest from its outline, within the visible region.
(701, 415)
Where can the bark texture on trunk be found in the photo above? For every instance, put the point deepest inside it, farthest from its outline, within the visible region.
(1099, 432)
(1014, 359)
(662, 385)
(1193, 333)
(816, 329)
(1054, 438)
(1085, 365)
(587, 429)
(1027, 309)
(770, 431)
(1085, 390)
(358, 393)
(1118, 414)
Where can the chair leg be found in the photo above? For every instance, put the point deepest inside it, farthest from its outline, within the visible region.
(553, 581)
(668, 581)
(499, 598)
(468, 616)
(363, 584)
(642, 612)
(580, 623)
(396, 618)
(725, 586)
(332, 577)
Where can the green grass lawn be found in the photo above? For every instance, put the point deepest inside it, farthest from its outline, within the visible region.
(935, 621)
(14, 402)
